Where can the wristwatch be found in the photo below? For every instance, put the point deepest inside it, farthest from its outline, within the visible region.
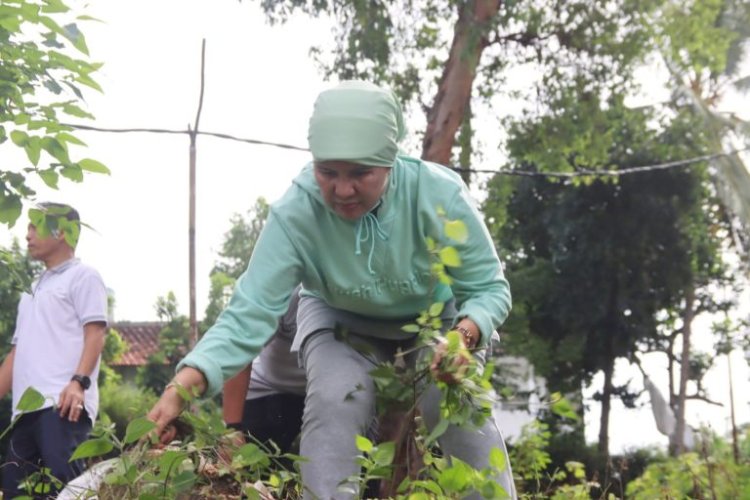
(84, 380)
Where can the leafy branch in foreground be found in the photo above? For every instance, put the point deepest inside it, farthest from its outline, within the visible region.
(39, 83)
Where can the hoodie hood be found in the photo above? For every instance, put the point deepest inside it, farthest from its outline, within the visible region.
(356, 121)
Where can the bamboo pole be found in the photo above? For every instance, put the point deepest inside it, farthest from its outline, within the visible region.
(193, 132)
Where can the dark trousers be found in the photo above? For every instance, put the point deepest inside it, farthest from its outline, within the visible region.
(276, 418)
(43, 439)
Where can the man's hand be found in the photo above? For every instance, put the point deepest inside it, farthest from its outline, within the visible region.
(70, 403)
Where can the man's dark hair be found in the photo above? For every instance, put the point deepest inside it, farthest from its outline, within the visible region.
(60, 210)
(57, 217)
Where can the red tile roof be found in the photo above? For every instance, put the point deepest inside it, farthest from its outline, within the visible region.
(143, 340)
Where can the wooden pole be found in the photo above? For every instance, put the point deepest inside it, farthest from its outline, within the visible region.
(191, 224)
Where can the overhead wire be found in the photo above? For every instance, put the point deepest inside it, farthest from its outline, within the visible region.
(517, 172)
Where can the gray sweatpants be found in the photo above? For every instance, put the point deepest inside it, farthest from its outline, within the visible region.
(340, 404)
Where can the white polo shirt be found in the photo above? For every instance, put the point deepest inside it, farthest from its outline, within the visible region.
(49, 332)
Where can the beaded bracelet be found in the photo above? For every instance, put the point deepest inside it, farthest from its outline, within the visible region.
(468, 337)
(172, 384)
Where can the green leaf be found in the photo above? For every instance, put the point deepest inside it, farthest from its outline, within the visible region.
(137, 429)
(497, 459)
(170, 461)
(53, 86)
(410, 328)
(183, 481)
(577, 469)
(72, 172)
(69, 138)
(72, 33)
(438, 431)
(431, 245)
(430, 486)
(50, 177)
(92, 448)
(36, 217)
(76, 111)
(56, 149)
(51, 25)
(449, 256)
(33, 150)
(455, 478)
(31, 400)
(11, 24)
(456, 230)
(90, 165)
(250, 454)
(89, 82)
(436, 309)
(21, 118)
(384, 453)
(10, 208)
(363, 444)
(444, 278)
(54, 7)
(19, 137)
(562, 407)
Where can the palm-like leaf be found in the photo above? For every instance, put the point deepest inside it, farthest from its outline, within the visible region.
(727, 132)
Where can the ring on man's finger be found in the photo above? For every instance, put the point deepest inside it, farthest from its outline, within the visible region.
(79, 406)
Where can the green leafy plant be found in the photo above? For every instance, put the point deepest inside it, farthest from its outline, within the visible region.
(191, 466)
(709, 472)
(121, 402)
(174, 343)
(531, 464)
(39, 84)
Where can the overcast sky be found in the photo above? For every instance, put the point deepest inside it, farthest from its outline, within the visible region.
(260, 84)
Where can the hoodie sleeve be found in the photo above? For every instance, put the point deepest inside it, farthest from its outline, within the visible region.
(479, 285)
(261, 296)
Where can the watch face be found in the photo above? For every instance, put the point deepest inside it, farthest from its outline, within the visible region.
(83, 380)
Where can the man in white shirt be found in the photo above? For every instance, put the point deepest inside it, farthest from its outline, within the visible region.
(57, 344)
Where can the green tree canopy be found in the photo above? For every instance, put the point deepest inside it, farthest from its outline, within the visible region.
(234, 255)
(593, 267)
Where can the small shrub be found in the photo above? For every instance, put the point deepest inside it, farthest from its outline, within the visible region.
(123, 402)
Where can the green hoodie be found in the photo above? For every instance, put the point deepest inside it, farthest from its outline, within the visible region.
(377, 266)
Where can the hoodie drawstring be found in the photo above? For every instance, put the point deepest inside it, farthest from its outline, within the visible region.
(371, 227)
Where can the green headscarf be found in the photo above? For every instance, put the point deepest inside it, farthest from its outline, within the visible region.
(356, 121)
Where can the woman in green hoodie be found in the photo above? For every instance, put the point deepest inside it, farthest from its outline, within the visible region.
(352, 229)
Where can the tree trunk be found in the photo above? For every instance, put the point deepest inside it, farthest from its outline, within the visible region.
(689, 313)
(606, 407)
(400, 427)
(454, 90)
